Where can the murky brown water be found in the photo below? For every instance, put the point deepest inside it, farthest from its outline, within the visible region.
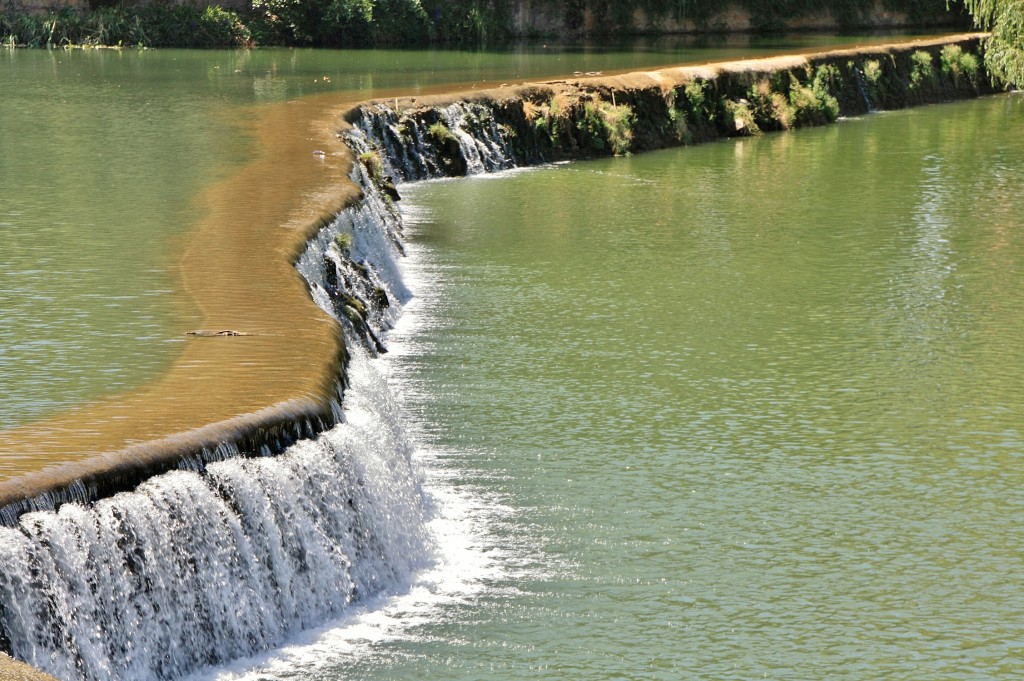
(236, 269)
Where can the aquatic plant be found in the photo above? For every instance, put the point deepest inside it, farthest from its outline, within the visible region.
(560, 105)
(695, 98)
(954, 63)
(531, 111)
(812, 103)
(440, 133)
(607, 125)
(550, 118)
(921, 69)
(374, 165)
(680, 128)
(448, 149)
(771, 109)
(343, 242)
(872, 69)
(741, 117)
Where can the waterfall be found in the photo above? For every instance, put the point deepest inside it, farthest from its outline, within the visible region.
(461, 138)
(862, 88)
(236, 552)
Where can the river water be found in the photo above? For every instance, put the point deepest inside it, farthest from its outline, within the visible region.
(116, 164)
(746, 410)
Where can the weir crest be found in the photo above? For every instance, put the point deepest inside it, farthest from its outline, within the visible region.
(237, 551)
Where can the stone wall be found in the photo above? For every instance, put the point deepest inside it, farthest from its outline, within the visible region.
(593, 115)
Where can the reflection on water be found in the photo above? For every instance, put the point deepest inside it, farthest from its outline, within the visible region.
(749, 410)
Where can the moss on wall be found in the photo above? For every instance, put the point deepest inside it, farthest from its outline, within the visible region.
(590, 117)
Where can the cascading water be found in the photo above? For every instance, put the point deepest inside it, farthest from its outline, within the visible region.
(462, 138)
(237, 551)
(221, 560)
(862, 89)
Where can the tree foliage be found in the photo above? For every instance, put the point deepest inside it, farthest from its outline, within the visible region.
(465, 23)
(1004, 55)
(343, 23)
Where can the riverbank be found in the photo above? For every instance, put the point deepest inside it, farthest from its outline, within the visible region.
(410, 23)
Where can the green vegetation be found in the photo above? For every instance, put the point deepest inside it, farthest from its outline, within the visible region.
(812, 102)
(742, 118)
(549, 118)
(677, 117)
(440, 133)
(589, 121)
(387, 23)
(341, 23)
(872, 69)
(374, 165)
(921, 69)
(1004, 54)
(957, 64)
(344, 243)
(584, 118)
(771, 109)
(607, 125)
(695, 93)
(154, 25)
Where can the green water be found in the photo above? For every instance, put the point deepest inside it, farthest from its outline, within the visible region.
(102, 156)
(748, 410)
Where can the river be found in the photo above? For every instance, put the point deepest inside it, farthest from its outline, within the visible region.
(745, 410)
(144, 194)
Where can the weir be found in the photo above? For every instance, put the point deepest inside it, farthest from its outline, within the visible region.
(588, 117)
(251, 539)
(237, 549)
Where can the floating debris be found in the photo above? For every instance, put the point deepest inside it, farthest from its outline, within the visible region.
(203, 333)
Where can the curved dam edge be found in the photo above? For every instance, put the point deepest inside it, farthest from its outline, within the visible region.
(583, 117)
(101, 476)
(265, 431)
(593, 115)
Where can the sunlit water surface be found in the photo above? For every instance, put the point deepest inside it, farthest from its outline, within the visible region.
(104, 153)
(746, 410)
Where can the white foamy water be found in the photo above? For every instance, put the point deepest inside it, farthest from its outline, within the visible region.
(455, 523)
(262, 566)
(192, 570)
